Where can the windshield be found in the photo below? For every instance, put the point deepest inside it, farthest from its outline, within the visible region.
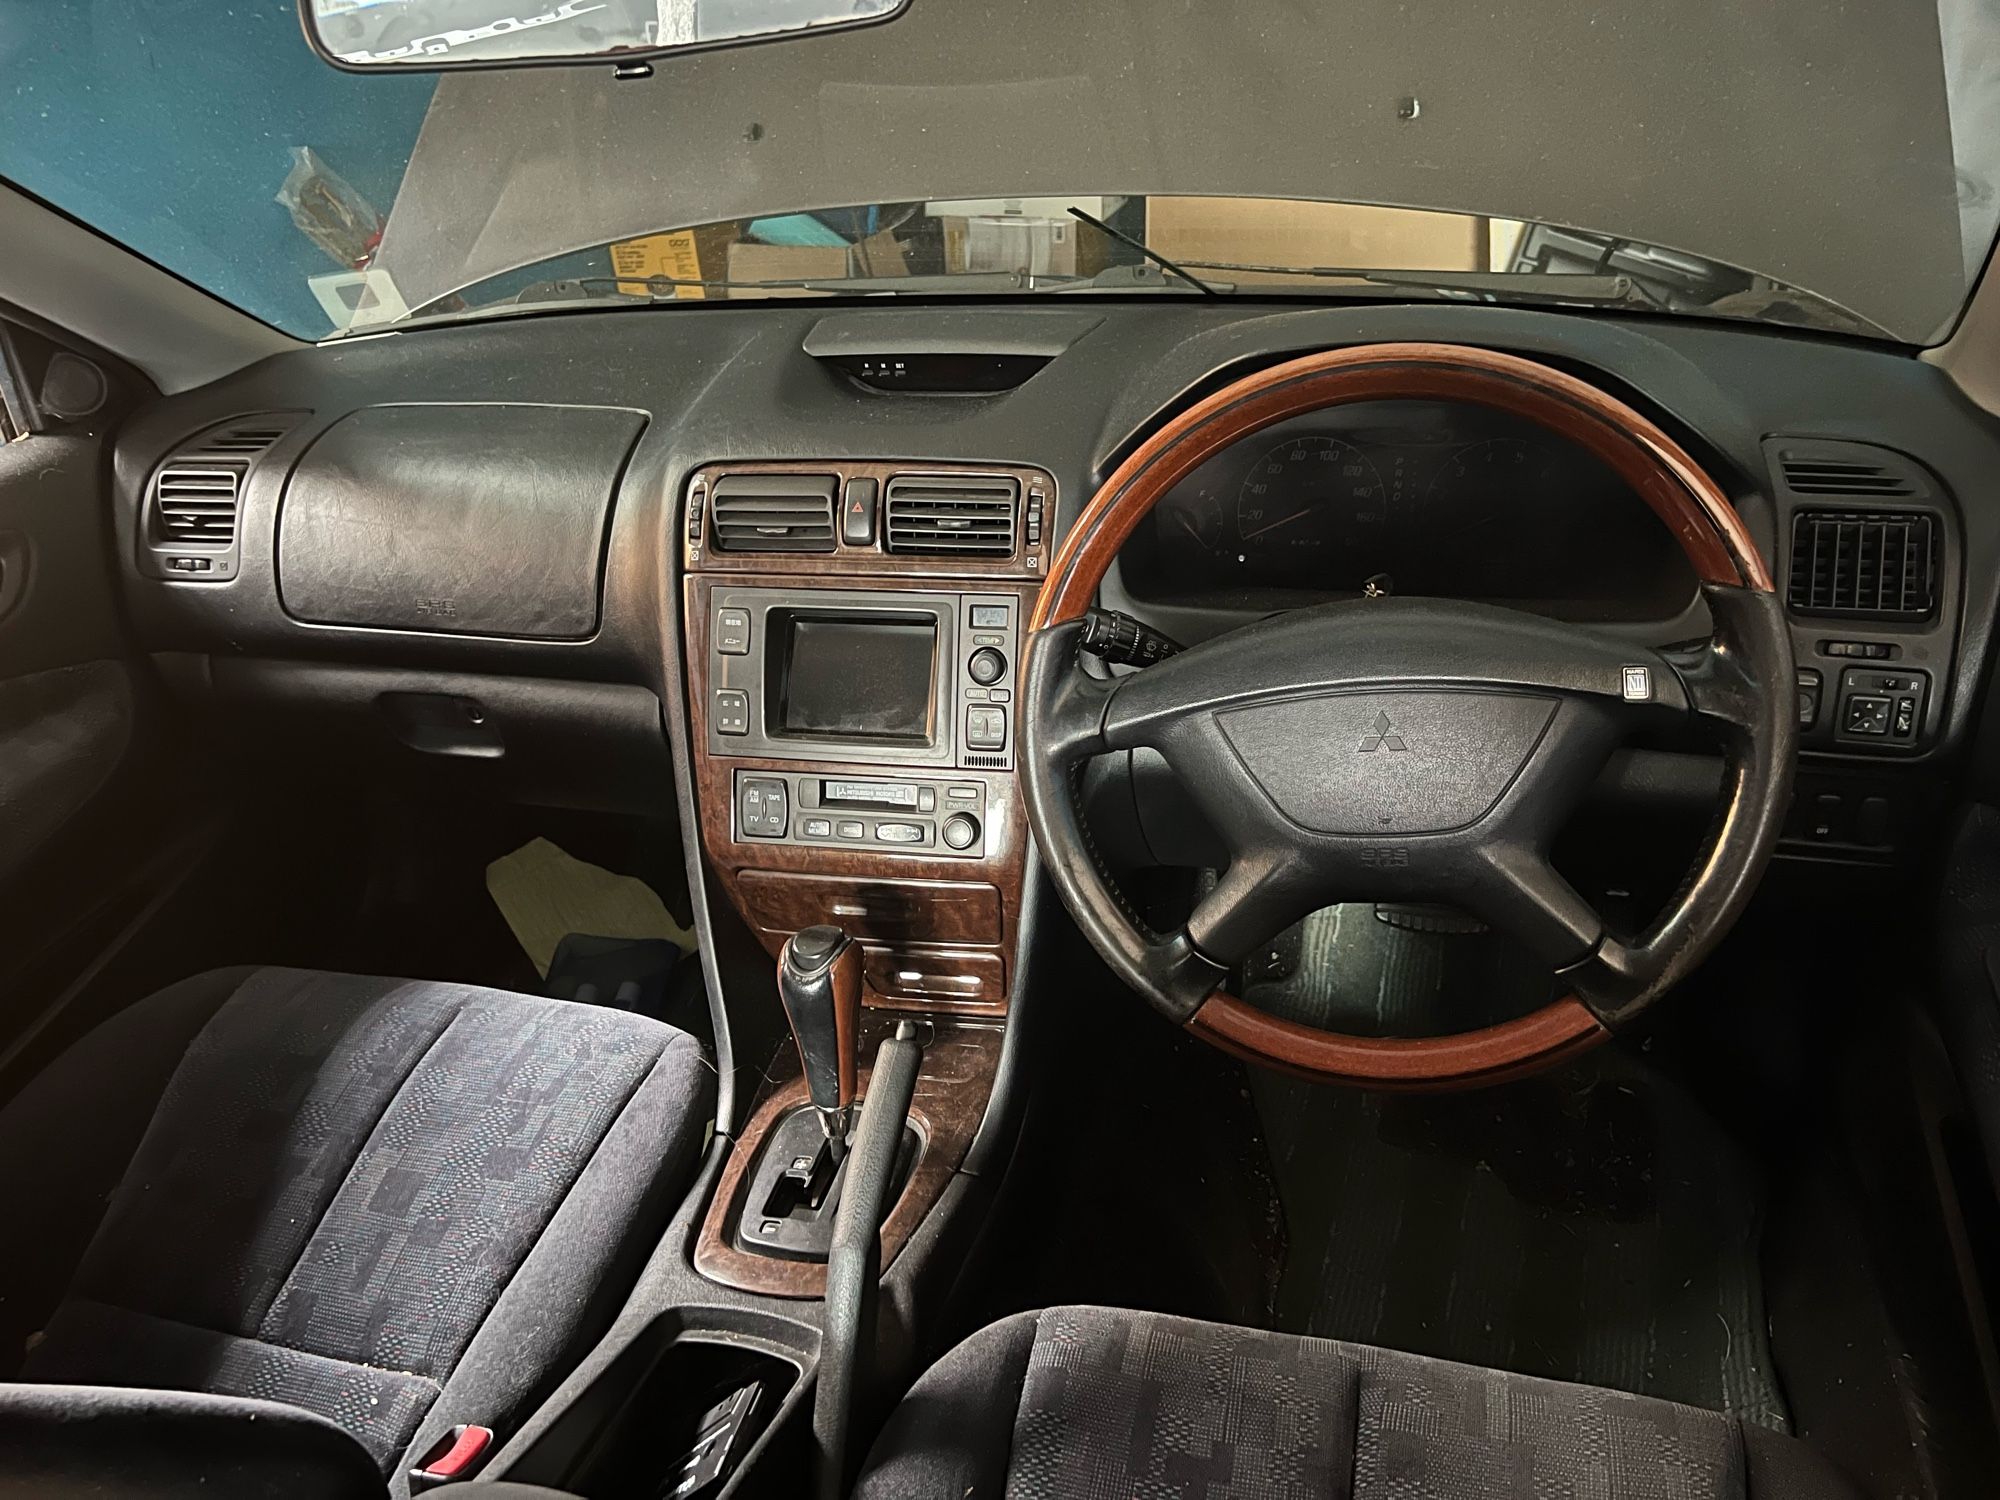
(1780, 163)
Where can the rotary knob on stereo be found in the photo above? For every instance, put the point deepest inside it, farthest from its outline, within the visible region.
(987, 666)
(960, 831)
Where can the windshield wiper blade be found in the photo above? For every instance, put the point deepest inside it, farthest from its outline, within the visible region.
(1616, 288)
(1144, 249)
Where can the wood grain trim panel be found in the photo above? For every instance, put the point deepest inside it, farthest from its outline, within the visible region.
(1003, 866)
(1692, 505)
(953, 1085)
(1562, 1029)
(871, 563)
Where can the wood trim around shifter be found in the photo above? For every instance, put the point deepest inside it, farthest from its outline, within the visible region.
(1694, 508)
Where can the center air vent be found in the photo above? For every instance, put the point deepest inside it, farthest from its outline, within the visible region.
(951, 517)
(1866, 564)
(196, 503)
(774, 513)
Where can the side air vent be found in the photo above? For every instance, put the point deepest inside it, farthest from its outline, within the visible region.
(196, 503)
(774, 513)
(951, 517)
(1866, 564)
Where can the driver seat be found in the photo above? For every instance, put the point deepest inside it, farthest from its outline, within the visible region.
(1088, 1403)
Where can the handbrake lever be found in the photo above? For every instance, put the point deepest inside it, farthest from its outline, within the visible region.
(854, 1260)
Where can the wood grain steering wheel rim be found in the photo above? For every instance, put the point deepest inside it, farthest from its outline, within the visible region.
(1738, 685)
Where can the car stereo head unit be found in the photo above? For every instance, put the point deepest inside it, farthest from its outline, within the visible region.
(887, 677)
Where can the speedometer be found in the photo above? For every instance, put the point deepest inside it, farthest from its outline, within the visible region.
(1310, 496)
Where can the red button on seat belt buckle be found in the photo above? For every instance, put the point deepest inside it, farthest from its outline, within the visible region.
(452, 1457)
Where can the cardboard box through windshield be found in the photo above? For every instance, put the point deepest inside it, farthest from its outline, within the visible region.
(1284, 232)
(877, 255)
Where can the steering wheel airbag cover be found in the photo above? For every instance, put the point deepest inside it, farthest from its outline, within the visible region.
(1387, 763)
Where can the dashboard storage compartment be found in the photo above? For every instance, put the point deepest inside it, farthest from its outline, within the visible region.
(455, 520)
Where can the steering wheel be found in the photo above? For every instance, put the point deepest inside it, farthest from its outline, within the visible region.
(1411, 749)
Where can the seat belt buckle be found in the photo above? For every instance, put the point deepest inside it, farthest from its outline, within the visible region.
(455, 1456)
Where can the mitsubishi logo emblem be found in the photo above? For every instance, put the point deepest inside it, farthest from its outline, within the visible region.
(1384, 736)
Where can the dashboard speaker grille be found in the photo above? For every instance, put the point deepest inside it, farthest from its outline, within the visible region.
(952, 517)
(196, 503)
(774, 513)
(1868, 564)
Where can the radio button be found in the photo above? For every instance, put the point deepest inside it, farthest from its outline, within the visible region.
(732, 632)
(816, 828)
(962, 793)
(926, 799)
(851, 828)
(903, 833)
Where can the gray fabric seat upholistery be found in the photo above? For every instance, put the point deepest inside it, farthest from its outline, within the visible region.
(397, 1205)
(1089, 1403)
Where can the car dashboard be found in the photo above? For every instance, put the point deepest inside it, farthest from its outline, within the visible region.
(555, 555)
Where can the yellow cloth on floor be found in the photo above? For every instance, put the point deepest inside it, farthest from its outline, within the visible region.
(546, 894)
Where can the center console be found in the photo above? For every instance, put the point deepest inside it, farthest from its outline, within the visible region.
(853, 636)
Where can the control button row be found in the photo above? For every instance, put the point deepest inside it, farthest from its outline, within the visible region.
(986, 728)
(855, 830)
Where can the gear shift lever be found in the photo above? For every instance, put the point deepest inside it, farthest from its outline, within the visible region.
(819, 980)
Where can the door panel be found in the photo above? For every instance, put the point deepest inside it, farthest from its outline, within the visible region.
(70, 719)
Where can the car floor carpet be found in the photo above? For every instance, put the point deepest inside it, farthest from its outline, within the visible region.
(1591, 1225)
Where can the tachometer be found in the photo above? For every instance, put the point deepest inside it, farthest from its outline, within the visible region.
(1308, 496)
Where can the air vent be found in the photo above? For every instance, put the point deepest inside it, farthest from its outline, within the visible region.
(1814, 476)
(774, 513)
(951, 517)
(1866, 564)
(196, 503)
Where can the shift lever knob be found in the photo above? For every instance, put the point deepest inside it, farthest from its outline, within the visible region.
(819, 979)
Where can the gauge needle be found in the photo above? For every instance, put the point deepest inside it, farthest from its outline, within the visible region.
(1249, 535)
(1188, 527)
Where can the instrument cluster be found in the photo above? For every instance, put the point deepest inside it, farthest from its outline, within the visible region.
(1410, 497)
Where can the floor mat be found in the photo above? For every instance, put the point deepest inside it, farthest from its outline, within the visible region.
(1593, 1225)
(546, 894)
